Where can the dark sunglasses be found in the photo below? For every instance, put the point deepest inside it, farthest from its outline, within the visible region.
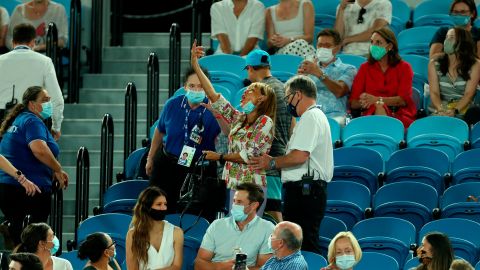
(360, 15)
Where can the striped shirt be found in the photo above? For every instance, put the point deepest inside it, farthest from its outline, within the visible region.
(293, 261)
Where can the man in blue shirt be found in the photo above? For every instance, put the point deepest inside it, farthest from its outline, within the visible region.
(332, 77)
(286, 241)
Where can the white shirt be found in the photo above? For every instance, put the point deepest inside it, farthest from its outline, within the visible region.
(163, 257)
(376, 9)
(23, 68)
(61, 264)
(4, 18)
(250, 23)
(311, 134)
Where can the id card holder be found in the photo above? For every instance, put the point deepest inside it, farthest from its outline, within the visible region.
(195, 134)
(307, 180)
(186, 156)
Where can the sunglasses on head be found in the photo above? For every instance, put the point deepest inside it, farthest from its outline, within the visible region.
(360, 15)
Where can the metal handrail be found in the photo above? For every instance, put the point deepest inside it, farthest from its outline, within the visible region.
(106, 155)
(116, 28)
(197, 14)
(130, 127)
(56, 216)
(82, 188)
(153, 99)
(75, 46)
(96, 40)
(174, 60)
(52, 50)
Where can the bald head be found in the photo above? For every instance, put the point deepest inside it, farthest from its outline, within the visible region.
(291, 233)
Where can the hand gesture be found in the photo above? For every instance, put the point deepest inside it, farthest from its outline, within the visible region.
(62, 178)
(196, 53)
(366, 100)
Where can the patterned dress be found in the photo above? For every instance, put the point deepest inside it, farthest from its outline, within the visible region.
(247, 140)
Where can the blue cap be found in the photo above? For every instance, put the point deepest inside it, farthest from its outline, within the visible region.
(258, 58)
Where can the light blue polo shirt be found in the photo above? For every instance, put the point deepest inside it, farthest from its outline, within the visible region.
(223, 237)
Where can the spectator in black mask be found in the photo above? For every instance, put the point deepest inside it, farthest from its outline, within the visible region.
(436, 252)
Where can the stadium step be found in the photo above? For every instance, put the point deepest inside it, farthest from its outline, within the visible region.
(141, 53)
(120, 81)
(117, 96)
(159, 39)
(115, 66)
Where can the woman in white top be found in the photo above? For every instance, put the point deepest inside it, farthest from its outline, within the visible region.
(290, 27)
(152, 242)
(39, 239)
(40, 13)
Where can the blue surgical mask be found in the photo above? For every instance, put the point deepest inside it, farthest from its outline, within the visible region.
(47, 109)
(114, 255)
(460, 20)
(270, 244)
(238, 212)
(345, 261)
(377, 52)
(195, 97)
(248, 107)
(56, 245)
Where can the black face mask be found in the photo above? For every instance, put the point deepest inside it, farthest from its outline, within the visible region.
(423, 259)
(157, 215)
(292, 110)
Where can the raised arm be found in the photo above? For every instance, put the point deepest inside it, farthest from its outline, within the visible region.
(196, 53)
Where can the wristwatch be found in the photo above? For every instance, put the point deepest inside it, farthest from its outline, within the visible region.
(380, 101)
(19, 173)
(272, 164)
(292, 39)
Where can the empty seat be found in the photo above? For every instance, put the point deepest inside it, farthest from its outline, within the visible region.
(372, 260)
(122, 197)
(378, 132)
(282, 76)
(190, 250)
(402, 200)
(419, 66)
(314, 260)
(466, 167)
(193, 226)
(464, 235)
(475, 135)
(417, 97)
(132, 162)
(416, 40)
(224, 62)
(358, 164)
(227, 79)
(444, 133)
(457, 201)
(401, 13)
(432, 13)
(285, 62)
(335, 131)
(425, 165)
(325, 12)
(387, 235)
(329, 227)
(411, 263)
(354, 60)
(341, 204)
(72, 257)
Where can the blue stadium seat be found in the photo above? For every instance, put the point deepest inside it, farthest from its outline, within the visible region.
(416, 40)
(411, 263)
(475, 136)
(227, 79)
(269, 3)
(417, 97)
(401, 13)
(354, 60)
(72, 257)
(220, 88)
(237, 97)
(419, 66)
(285, 62)
(416, 164)
(131, 163)
(115, 225)
(387, 235)
(190, 250)
(122, 197)
(432, 13)
(455, 202)
(282, 76)
(372, 260)
(444, 133)
(477, 266)
(342, 205)
(358, 164)
(328, 229)
(10, 5)
(464, 235)
(335, 131)
(314, 260)
(325, 12)
(196, 226)
(402, 200)
(466, 167)
(378, 132)
(152, 129)
(224, 62)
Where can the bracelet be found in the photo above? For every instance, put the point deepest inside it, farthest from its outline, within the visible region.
(380, 101)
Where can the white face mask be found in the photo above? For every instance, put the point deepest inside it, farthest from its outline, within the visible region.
(345, 261)
(324, 55)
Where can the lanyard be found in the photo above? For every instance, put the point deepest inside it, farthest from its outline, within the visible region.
(185, 124)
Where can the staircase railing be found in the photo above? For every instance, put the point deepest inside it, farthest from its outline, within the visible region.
(130, 128)
(52, 50)
(116, 22)
(81, 192)
(197, 14)
(106, 155)
(56, 216)
(174, 60)
(75, 46)
(96, 39)
(153, 99)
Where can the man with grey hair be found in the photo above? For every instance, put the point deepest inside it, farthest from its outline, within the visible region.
(307, 166)
(286, 241)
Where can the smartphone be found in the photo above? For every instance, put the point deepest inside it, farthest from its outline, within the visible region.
(240, 261)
